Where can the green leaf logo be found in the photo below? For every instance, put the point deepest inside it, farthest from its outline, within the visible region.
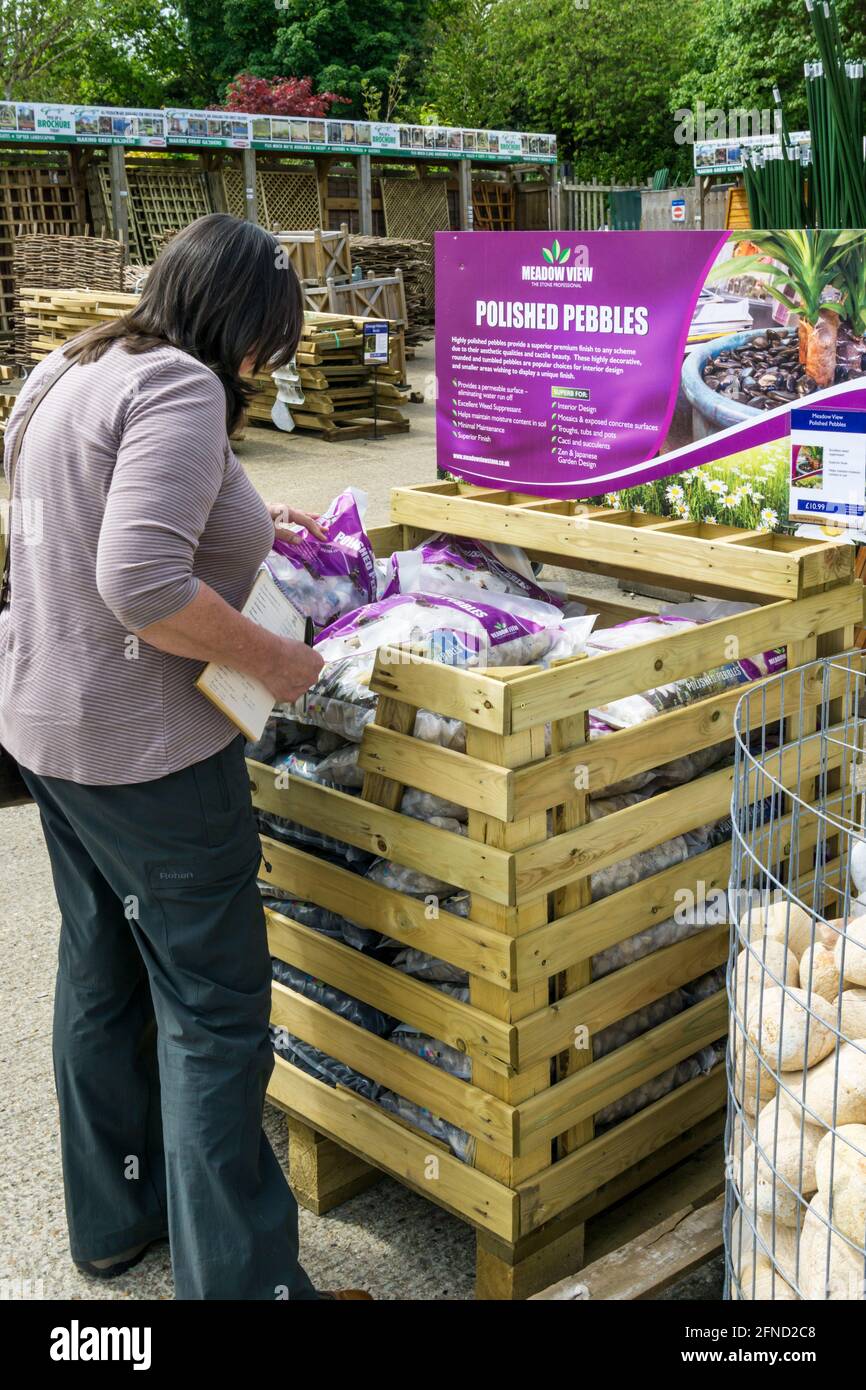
(557, 255)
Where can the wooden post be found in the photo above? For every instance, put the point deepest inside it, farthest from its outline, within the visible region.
(212, 164)
(464, 187)
(554, 208)
(248, 166)
(323, 168)
(324, 1174)
(119, 196)
(365, 195)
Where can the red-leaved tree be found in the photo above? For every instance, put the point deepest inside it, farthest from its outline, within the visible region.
(283, 96)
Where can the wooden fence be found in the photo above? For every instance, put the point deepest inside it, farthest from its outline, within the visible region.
(586, 206)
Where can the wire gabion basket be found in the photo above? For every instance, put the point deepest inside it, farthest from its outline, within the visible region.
(795, 1141)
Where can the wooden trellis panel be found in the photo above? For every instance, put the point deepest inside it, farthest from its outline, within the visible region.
(287, 200)
(233, 185)
(415, 209)
(291, 200)
(165, 202)
(31, 200)
(99, 187)
(160, 201)
(493, 205)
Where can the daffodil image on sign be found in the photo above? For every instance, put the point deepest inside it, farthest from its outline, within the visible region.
(556, 255)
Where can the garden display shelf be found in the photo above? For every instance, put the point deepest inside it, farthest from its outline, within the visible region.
(540, 1171)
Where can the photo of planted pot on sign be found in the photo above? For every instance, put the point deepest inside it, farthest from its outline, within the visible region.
(801, 299)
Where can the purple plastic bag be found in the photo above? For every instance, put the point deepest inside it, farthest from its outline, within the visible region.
(455, 565)
(325, 579)
(455, 630)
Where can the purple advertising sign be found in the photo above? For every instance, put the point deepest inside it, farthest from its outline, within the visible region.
(581, 364)
(555, 352)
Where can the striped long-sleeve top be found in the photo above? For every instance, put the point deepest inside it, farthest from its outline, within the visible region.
(127, 496)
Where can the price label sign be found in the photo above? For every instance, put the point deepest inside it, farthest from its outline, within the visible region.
(377, 334)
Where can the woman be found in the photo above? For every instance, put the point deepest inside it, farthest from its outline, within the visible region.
(152, 535)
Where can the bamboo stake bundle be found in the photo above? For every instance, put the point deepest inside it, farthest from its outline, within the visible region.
(834, 88)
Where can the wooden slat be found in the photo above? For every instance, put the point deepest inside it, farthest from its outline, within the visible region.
(477, 699)
(368, 1131)
(580, 935)
(477, 785)
(385, 833)
(767, 571)
(546, 1032)
(459, 940)
(626, 752)
(409, 1000)
(614, 837)
(433, 1088)
(585, 1092)
(397, 718)
(546, 695)
(646, 1266)
(553, 1191)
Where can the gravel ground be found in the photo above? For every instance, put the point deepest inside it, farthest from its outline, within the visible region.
(387, 1239)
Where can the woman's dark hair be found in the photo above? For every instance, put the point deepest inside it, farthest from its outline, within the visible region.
(222, 290)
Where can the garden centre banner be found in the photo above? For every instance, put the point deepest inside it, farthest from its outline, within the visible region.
(718, 376)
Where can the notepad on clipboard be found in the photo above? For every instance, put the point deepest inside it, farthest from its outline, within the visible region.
(243, 699)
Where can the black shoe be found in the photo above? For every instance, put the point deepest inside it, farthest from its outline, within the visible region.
(99, 1269)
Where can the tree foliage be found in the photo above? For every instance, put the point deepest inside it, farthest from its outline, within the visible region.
(285, 96)
(738, 49)
(606, 76)
(599, 75)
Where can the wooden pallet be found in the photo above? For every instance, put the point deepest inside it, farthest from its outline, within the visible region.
(655, 1260)
(540, 1171)
(340, 389)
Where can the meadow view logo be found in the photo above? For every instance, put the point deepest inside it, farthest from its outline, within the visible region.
(561, 264)
(77, 1343)
(556, 255)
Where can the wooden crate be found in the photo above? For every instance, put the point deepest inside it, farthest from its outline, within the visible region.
(540, 1171)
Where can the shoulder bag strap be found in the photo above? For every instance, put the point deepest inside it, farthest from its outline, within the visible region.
(29, 410)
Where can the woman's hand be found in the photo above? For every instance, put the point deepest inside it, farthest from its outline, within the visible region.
(283, 516)
(289, 672)
(209, 629)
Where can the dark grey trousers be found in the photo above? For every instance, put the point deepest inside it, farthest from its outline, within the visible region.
(161, 1052)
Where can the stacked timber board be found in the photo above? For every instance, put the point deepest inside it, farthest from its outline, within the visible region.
(10, 383)
(541, 1167)
(52, 317)
(343, 397)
